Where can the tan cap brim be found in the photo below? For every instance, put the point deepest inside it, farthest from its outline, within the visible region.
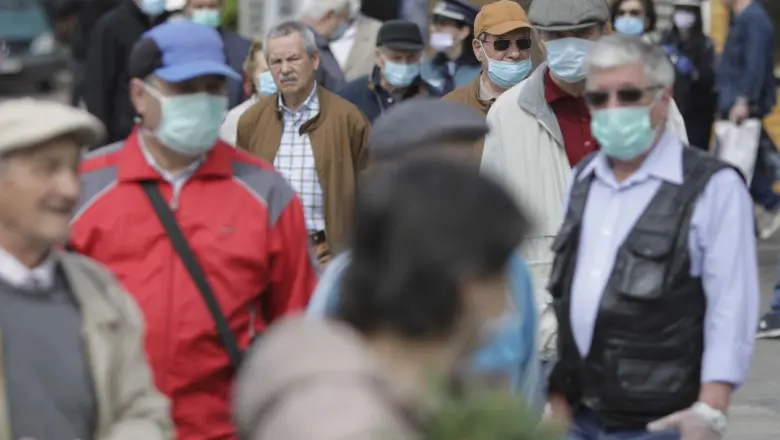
(506, 27)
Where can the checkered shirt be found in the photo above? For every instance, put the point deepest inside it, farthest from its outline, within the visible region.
(295, 160)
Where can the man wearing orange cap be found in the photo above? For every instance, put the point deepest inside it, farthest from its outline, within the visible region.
(502, 42)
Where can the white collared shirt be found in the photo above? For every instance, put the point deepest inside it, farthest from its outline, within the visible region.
(342, 47)
(177, 180)
(13, 272)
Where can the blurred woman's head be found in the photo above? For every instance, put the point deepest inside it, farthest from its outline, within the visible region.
(258, 78)
(431, 243)
(687, 19)
(452, 38)
(633, 17)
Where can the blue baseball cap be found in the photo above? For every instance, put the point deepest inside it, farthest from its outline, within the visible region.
(179, 51)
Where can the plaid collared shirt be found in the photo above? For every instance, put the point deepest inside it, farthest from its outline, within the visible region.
(295, 160)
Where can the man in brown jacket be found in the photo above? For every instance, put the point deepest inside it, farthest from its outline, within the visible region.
(502, 42)
(317, 140)
(72, 364)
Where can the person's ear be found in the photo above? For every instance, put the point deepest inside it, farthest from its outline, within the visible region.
(476, 46)
(315, 60)
(463, 33)
(138, 96)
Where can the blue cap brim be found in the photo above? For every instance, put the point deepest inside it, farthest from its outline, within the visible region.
(194, 69)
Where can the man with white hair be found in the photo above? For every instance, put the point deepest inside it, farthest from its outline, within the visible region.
(654, 280)
(329, 20)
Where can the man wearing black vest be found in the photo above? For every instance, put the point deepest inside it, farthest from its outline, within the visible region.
(655, 280)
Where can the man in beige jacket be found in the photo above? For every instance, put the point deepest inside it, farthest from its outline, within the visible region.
(72, 363)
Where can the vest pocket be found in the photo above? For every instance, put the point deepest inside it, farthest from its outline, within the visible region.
(644, 265)
(654, 377)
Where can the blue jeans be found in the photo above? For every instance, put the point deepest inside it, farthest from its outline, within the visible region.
(587, 427)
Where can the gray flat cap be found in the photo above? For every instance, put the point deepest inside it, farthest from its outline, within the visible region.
(566, 15)
(413, 123)
(29, 122)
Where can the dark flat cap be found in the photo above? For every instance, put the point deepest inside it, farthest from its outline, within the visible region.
(400, 35)
(566, 15)
(414, 123)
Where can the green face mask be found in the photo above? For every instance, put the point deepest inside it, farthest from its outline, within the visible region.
(623, 133)
(206, 17)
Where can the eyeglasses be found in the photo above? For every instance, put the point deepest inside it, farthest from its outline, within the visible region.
(626, 96)
(502, 45)
(630, 12)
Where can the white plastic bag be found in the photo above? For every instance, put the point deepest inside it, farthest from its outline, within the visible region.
(738, 144)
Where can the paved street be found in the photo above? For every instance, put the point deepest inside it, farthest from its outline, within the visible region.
(755, 413)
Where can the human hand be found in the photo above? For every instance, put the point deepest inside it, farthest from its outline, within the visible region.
(739, 112)
(684, 66)
(690, 424)
(557, 412)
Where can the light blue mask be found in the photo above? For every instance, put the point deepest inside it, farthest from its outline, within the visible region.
(339, 32)
(401, 75)
(206, 17)
(189, 124)
(506, 74)
(152, 8)
(266, 83)
(624, 132)
(566, 58)
(630, 26)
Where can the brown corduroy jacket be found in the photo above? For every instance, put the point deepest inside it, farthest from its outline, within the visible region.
(468, 95)
(339, 137)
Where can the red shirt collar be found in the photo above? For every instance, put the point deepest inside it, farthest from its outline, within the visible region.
(553, 92)
(132, 164)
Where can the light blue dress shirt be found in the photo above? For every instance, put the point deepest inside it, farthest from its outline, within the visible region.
(722, 247)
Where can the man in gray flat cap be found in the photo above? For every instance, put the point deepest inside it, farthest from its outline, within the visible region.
(540, 129)
(72, 364)
(433, 127)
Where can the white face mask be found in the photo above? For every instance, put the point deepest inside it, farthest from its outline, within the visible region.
(684, 19)
(442, 41)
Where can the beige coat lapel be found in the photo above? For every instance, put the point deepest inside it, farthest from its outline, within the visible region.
(100, 320)
(5, 423)
(361, 58)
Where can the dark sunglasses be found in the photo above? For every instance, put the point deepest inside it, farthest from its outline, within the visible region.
(503, 45)
(626, 96)
(630, 12)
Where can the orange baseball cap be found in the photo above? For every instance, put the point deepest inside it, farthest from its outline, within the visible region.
(500, 17)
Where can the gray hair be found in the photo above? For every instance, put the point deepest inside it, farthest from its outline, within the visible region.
(619, 50)
(317, 9)
(289, 28)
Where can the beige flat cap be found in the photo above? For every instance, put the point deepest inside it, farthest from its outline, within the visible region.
(29, 122)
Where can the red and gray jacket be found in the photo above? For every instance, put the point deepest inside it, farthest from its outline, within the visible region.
(246, 227)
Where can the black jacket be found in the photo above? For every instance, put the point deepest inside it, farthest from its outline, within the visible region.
(367, 94)
(106, 82)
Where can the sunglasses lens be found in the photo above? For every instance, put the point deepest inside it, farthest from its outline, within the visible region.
(596, 99)
(524, 44)
(501, 45)
(629, 96)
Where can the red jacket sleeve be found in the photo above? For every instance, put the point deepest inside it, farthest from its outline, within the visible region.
(293, 274)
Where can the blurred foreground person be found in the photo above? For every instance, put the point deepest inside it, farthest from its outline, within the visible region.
(655, 280)
(210, 240)
(443, 129)
(414, 303)
(73, 364)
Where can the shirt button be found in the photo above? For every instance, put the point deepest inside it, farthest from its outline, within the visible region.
(584, 120)
(587, 143)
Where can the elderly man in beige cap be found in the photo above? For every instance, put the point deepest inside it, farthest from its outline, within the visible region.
(72, 364)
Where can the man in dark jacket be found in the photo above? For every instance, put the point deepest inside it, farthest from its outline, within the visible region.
(396, 76)
(106, 90)
(89, 14)
(207, 12)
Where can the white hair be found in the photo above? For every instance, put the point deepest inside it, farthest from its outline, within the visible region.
(619, 50)
(289, 28)
(317, 9)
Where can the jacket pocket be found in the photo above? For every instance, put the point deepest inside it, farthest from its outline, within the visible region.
(645, 264)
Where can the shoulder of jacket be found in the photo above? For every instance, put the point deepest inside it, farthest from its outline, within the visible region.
(508, 100)
(257, 110)
(106, 283)
(342, 107)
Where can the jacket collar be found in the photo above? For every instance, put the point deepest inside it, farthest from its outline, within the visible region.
(87, 290)
(474, 88)
(133, 166)
(324, 99)
(532, 100)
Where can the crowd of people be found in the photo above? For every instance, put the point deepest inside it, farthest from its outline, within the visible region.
(312, 234)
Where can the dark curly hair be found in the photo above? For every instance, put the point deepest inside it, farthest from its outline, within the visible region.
(421, 229)
(647, 5)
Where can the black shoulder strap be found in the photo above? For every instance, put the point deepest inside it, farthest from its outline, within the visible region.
(187, 256)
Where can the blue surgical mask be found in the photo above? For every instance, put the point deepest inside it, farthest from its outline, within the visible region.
(401, 75)
(630, 25)
(266, 83)
(206, 17)
(152, 8)
(624, 132)
(189, 124)
(566, 58)
(506, 74)
(339, 32)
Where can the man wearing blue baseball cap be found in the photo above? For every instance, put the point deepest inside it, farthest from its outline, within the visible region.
(209, 240)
